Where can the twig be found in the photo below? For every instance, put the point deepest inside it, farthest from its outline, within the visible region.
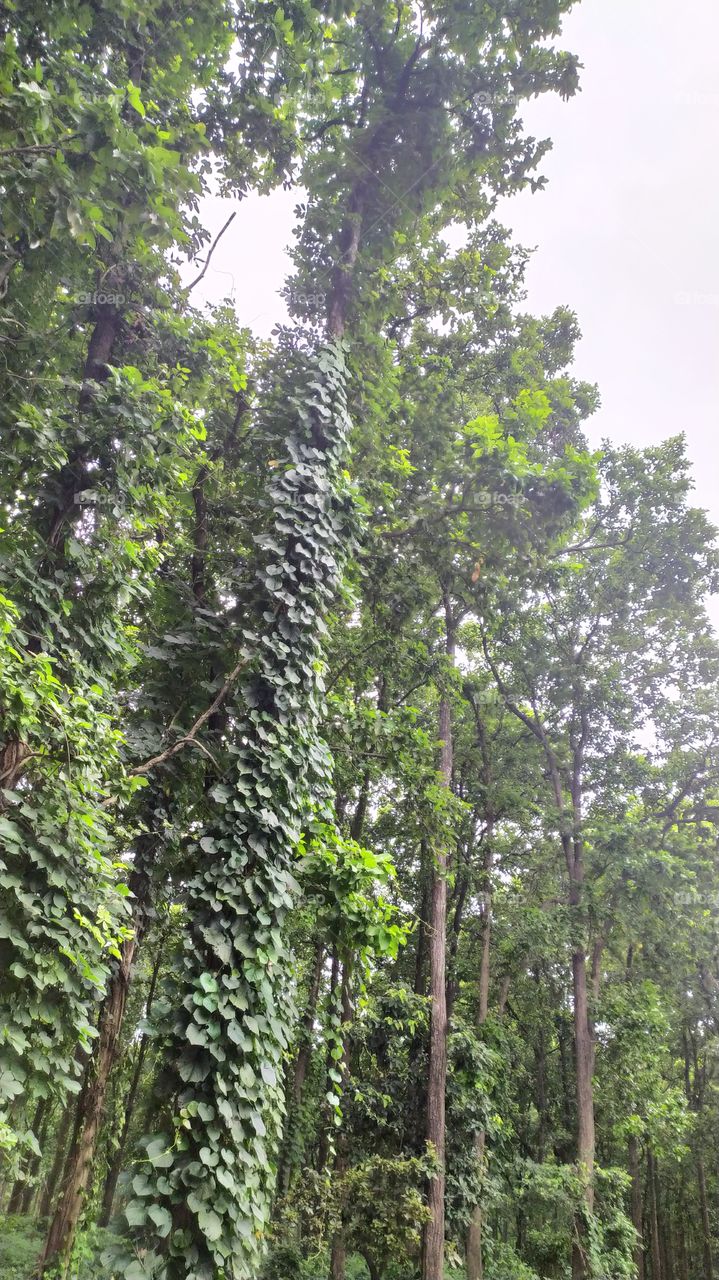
(38, 148)
(213, 246)
(189, 738)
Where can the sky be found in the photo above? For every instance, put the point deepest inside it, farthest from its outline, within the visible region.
(625, 233)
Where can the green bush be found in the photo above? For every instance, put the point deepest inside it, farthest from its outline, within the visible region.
(20, 1244)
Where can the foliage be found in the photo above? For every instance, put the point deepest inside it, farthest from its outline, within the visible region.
(223, 662)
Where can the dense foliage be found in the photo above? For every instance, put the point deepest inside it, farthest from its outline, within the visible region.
(358, 741)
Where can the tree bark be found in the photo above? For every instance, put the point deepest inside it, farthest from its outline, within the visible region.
(338, 1249)
(113, 1173)
(655, 1251)
(433, 1242)
(22, 1183)
(636, 1203)
(474, 1234)
(682, 1244)
(78, 1165)
(584, 1046)
(50, 1188)
(420, 959)
(32, 1185)
(706, 1225)
(584, 1071)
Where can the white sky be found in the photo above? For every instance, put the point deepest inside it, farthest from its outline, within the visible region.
(625, 233)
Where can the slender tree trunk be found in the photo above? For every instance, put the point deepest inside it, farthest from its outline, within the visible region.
(433, 1243)
(706, 1226)
(338, 1249)
(79, 1161)
(584, 1045)
(115, 1169)
(683, 1258)
(636, 1203)
(541, 1070)
(474, 1235)
(299, 1072)
(53, 1178)
(113, 1173)
(323, 1152)
(24, 1180)
(584, 1072)
(654, 1242)
(433, 1258)
(32, 1188)
(664, 1223)
(420, 961)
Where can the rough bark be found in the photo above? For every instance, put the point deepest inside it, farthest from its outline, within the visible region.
(113, 1173)
(584, 1046)
(433, 1242)
(636, 1203)
(420, 959)
(91, 1107)
(682, 1254)
(24, 1181)
(655, 1251)
(474, 1234)
(53, 1178)
(338, 1250)
(706, 1225)
(32, 1187)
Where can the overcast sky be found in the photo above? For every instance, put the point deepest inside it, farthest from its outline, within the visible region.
(625, 233)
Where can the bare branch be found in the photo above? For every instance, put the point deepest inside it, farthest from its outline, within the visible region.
(213, 246)
(190, 737)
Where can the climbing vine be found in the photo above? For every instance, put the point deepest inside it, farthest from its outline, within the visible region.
(201, 1197)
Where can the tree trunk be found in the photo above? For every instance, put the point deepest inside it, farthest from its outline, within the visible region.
(115, 1169)
(24, 1179)
(113, 1173)
(338, 1251)
(299, 1072)
(654, 1242)
(682, 1244)
(584, 1072)
(584, 1068)
(338, 1257)
(474, 1234)
(636, 1204)
(706, 1226)
(32, 1186)
(420, 960)
(584, 1045)
(433, 1242)
(50, 1188)
(473, 1248)
(80, 1156)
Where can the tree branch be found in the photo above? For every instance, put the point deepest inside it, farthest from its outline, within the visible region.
(213, 246)
(189, 738)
